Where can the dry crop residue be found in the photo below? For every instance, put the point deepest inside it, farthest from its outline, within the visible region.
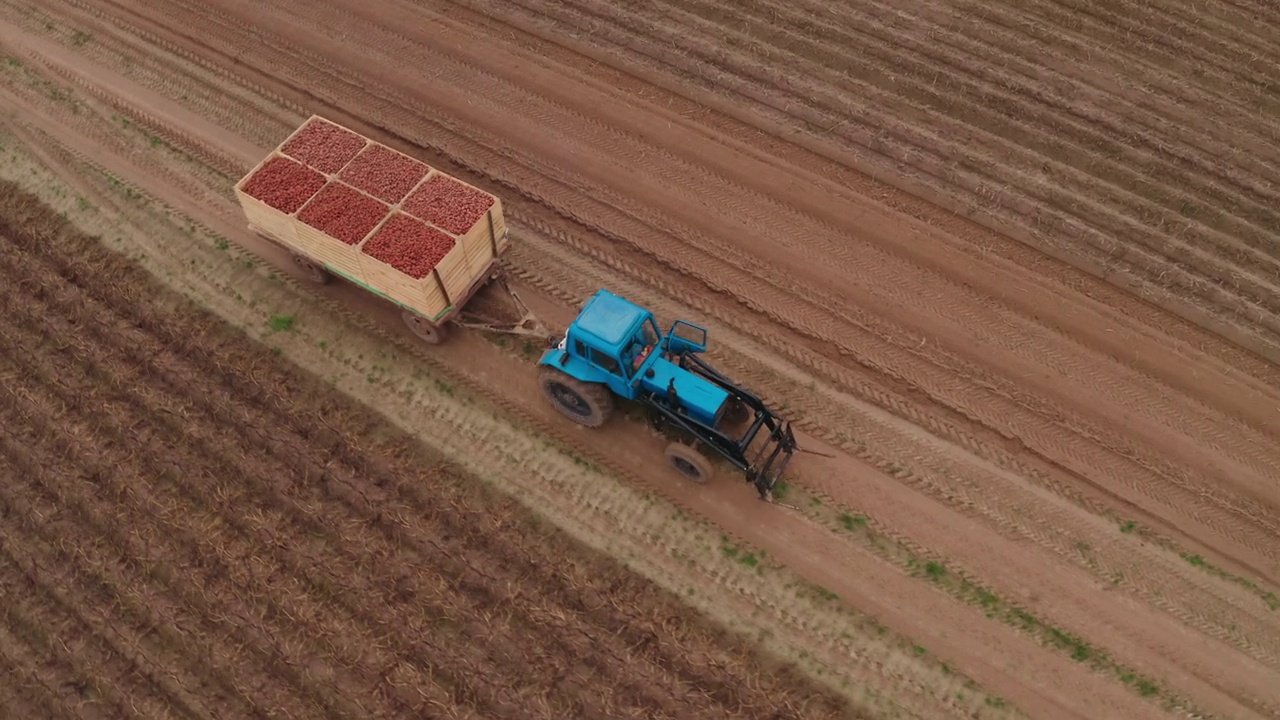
(1078, 466)
(200, 530)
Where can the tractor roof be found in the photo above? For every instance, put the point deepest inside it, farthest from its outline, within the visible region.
(609, 318)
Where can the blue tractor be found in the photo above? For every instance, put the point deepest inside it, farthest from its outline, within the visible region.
(614, 348)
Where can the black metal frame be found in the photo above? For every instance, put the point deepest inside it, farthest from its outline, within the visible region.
(779, 447)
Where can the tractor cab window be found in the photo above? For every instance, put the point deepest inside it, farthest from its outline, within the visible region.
(597, 358)
(604, 362)
(649, 331)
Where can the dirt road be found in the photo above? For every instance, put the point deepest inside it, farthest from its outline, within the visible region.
(1042, 474)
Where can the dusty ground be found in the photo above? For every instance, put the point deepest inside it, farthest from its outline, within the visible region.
(1027, 306)
(194, 529)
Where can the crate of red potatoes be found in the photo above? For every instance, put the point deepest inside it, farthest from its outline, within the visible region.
(375, 215)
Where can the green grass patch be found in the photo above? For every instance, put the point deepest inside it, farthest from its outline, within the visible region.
(853, 522)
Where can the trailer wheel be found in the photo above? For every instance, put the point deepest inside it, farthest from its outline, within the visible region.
(688, 462)
(314, 272)
(587, 404)
(427, 331)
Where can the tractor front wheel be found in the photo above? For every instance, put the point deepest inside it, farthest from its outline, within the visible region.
(588, 404)
(688, 462)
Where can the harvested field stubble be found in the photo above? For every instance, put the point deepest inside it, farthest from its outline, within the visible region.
(376, 580)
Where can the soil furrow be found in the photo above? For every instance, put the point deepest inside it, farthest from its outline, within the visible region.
(152, 352)
(1009, 109)
(29, 681)
(1015, 507)
(229, 620)
(215, 459)
(140, 350)
(996, 382)
(961, 173)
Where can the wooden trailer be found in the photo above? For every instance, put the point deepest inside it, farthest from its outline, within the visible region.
(347, 206)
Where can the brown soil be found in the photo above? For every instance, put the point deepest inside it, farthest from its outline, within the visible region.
(1038, 344)
(198, 529)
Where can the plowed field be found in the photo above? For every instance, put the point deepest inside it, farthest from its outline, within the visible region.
(193, 529)
(1012, 267)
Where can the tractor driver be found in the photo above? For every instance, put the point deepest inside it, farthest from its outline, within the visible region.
(640, 352)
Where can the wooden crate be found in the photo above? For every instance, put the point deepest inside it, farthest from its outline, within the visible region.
(426, 296)
(430, 295)
(481, 241)
(261, 215)
(330, 250)
(456, 273)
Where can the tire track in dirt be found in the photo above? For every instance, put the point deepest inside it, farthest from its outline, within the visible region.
(1129, 306)
(826, 158)
(805, 93)
(756, 207)
(696, 675)
(1094, 266)
(688, 263)
(352, 315)
(866, 24)
(227, 453)
(970, 94)
(552, 270)
(598, 451)
(1011, 345)
(231, 107)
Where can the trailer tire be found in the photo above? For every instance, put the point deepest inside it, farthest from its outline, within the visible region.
(315, 273)
(427, 331)
(690, 463)
(588, 404)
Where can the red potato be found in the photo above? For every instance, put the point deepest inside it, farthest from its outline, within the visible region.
(284, 184)
(324, 146)
(343, 212)
(447, 203)
(409, 245)
(384, 173)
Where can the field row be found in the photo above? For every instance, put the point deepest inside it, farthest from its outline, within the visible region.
(388, 583)
(881, 359)
(1114, 174)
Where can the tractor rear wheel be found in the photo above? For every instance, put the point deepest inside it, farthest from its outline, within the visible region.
(315, 273)
(588, 404)
(427, 331)
(688, 462)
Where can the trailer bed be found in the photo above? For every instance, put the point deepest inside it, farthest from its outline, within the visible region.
(326, 191)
